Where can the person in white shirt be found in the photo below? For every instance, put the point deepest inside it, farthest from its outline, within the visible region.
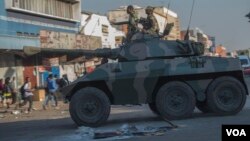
(28, 94)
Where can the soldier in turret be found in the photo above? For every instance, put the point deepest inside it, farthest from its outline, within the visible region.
(151, 26)
(132, 23)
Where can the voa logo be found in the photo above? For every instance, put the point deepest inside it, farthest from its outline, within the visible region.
(236, 132)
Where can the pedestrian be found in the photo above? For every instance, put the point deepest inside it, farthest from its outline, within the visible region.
(1, 91)
(57, 80)
(14, 90)
(57, 93)
(7, 93)
(132, 22)
(152, 26)
(28, 95)
(64, 82)
(50, 95)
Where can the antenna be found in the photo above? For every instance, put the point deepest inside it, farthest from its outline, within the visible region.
(168, 27)
(187, 34)
(169, 3)
(167, 13)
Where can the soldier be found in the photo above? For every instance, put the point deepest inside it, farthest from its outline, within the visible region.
(151, 26)
(132, 23)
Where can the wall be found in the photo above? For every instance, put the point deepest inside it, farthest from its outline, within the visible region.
(7, 63)
(11, 66)
(51, 8)
(18, 28)
(97, 25)
(63, 40)
(70, 71)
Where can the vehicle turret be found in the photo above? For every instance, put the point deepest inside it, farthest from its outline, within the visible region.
(143, 47)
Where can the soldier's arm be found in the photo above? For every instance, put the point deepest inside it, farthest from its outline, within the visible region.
(134, 20)
(153, 28)
(154, 24)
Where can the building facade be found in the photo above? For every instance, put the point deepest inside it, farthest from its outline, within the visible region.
(171, 17)
(98, 25)
(20, 24)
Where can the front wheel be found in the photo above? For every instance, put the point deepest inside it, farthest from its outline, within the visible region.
(89, 107)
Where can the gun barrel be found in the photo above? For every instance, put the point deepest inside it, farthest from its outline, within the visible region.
(102, 52)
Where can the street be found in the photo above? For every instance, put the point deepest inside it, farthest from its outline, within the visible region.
(56, 125)
(153, 60)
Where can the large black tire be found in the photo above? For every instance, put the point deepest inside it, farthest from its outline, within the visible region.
(226, 96)
(153, 108)
(89, 107)
(203, 107)
(175, 100)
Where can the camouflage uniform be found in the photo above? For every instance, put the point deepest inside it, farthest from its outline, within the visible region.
(152, 26)
(132, 25)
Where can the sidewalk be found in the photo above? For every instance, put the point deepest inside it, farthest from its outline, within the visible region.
(12, 115)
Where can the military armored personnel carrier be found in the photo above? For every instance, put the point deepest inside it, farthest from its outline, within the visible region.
(172, 77)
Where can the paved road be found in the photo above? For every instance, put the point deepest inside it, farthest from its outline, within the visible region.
(205, 127)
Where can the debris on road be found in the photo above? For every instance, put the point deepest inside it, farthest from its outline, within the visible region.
(125, 131)
(15, 112)
(86, 132)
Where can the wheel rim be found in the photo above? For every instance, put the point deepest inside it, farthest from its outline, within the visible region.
(228, 97)
(89, 108)
(177, 100)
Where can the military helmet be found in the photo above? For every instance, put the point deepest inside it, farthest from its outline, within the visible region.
(150, 9)
(130, 7)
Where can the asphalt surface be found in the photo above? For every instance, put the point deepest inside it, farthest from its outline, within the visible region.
(56, 125)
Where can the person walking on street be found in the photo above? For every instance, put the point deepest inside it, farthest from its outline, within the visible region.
(14, 88)
(50, 95)
(28, 95)
(1, 91)
(64, 82)
(57, 80)
(7, 92)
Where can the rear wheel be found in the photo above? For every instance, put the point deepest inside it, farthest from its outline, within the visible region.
(89, 107)
(226, 96)
(175, 100)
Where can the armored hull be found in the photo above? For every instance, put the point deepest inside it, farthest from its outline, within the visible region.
(172, 77)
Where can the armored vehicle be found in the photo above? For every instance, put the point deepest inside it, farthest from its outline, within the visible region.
(172, 77)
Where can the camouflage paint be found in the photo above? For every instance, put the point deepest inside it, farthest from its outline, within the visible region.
(143, 63)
